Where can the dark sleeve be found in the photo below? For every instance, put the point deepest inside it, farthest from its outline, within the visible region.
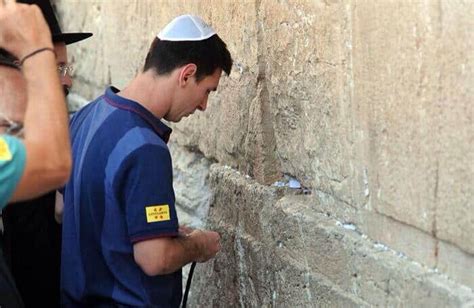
(147, 193)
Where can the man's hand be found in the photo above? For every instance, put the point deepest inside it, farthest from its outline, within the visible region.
(23, 28)
(185, 230)
(208, 243)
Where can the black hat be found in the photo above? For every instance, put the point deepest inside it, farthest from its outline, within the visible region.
(57, 34)
(8, 59)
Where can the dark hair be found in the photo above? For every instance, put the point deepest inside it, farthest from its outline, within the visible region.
(208, 55)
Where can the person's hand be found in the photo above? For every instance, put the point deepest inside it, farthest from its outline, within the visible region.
(208, 243)
(23, 28)
(185, 230)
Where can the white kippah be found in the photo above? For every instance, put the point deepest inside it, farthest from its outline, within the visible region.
(186, 28)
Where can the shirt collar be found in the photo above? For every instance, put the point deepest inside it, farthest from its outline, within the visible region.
(120, 102)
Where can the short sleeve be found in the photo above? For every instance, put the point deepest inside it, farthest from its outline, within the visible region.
(147, 193)
(12, 164)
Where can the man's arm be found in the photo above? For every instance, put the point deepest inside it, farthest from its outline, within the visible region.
(48, 154)
(160, 246)
(166, 255)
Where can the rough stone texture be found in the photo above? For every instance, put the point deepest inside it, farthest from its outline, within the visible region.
(278, 251)
(368, 104)
(456, 263)
(455, 187)
(190, 181)
(411, 91)
(418, 245)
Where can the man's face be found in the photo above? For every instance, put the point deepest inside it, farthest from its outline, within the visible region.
(194, 97)
(61, 60)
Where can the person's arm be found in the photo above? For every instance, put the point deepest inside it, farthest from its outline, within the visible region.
(162, 256)
(144, 183)
(48, 154)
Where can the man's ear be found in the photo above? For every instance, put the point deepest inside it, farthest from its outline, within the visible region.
(186, 72)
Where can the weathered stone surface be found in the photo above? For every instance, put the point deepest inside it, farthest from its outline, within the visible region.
(255, 273)
(456, 263)
(394, 60)
(405, 239)
(190, 182)
(368, 104)
(404, 87)
(305, 54)
(278, 251)
(455, 135)
(416, 244)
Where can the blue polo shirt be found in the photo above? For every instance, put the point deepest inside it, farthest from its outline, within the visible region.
(120, 193)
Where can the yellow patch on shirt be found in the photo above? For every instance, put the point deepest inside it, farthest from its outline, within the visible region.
(156, 213)
(5, 153)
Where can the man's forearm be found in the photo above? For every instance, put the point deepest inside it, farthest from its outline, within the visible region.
(46, 116)
(46, 140)
(166, 255)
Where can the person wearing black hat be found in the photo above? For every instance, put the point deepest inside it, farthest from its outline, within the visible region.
(41, 159)
(60, 40)
(32, 237)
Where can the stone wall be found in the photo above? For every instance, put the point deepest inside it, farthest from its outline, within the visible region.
(364, 107)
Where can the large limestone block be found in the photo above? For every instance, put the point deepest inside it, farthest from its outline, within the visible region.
(250, 271)
(307, 59)
(456, 263)
(407, 240)
(415, 149)
(393, 72)
(455, 127)
(278, 251)
(237, 127)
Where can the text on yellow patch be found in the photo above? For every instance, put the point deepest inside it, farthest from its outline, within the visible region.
(156, 213)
